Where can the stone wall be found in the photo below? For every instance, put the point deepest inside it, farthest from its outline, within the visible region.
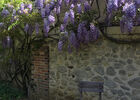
(117, 65)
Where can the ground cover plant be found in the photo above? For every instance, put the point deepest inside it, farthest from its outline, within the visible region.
(9, 92)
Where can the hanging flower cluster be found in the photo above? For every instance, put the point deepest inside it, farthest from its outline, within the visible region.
(129, 11)
(9, 16)
(73, 19)
(72, 31)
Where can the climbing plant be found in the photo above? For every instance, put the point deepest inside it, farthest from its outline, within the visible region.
(26, 23)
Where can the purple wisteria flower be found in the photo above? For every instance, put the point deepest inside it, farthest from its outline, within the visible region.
(130, 10)
(79, 8)
(73, 40)
(39, 3)
(58, 10)
(72, 6)
(5, 12)
(94, 33)
(116, 3)
(62, 28)
(112, 5)
(129, 1)
(67, 2)
(59, 2)
(137, 2)
(26, 28)
(87, 6)
(46, 27)
(10, 7)
(46, 22)
(81, 34)
(43, 14)
(129, 25)
(60, 45)
(47, 9)
(66, 34)
(84, 33)
(72, 16)
(82, 1)
(46, 30)
(30, 7)
(22, 6)
(51, 19)
(74, 1)
(66, 18)
(126, 24)
(52, 5)
(121, 2)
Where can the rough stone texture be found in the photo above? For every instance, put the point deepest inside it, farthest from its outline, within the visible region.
(125, 88)
(99, 70)
(135, 83)
(115, 64)
(110, 71)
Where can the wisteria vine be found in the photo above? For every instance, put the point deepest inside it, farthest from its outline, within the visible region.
(75, 20)
(72, 18)
(127, 12)
(73, 29)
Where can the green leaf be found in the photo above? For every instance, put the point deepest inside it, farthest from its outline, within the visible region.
(13, 25)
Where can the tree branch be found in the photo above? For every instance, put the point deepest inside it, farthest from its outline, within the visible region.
(103, 30)
(98, 7)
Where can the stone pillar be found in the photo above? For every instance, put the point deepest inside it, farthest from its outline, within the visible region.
(40, 75)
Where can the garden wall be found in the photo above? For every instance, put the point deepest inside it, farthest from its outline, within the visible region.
(117, 65)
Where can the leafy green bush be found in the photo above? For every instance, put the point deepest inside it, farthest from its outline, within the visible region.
(3, 2)
(8, 92)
